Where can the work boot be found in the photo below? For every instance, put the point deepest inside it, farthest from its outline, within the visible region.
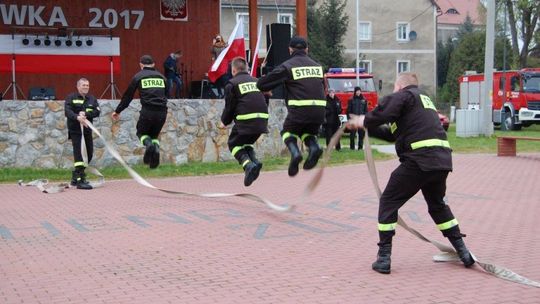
(315, 152)
(382, 264)
(462, 251)
(296, 156)
(251, 170)
(81, 180)
(253, 158)
(74, 176)
(154, 158)
(148, 153)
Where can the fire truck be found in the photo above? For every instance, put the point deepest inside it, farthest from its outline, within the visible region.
(343, 81)
(516, 96)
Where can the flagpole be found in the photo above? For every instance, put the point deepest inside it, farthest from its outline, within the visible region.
(357, 44)
(256, 50)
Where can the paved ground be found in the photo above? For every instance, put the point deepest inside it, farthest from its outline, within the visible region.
(127, 244)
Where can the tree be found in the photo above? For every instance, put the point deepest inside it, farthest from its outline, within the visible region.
(469, 55)
(523, 22)
(327, 26)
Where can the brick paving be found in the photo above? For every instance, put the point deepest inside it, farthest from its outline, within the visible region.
(124, 243)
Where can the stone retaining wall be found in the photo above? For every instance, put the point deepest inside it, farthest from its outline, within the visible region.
(34, 134)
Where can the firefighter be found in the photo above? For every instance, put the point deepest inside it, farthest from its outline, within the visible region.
(81, 106)
(247, 106)
(152, 91)
(426, 160)
(305, 99)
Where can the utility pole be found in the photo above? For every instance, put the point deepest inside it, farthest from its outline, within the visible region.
(357, 44)
(487, 101)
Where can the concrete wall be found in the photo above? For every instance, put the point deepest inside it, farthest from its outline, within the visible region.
(34, 134)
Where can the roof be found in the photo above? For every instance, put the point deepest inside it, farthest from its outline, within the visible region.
(455, 11)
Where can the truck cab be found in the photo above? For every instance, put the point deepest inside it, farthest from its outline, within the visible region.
(343, 81)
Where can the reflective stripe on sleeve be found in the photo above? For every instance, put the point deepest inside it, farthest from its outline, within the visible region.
(430, 143)
(307, 102)
(252, 116)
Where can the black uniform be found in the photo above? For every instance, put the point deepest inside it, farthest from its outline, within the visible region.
(247, 106)
(332, 122)
(425, 157)
(357, 106)
(74, 104)
(305, 99)
(152, 91)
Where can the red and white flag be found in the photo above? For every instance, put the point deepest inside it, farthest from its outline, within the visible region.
(236, 48)
(62, 59)
(255, 60)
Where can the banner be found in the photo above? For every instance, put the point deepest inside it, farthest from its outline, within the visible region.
(174, 10)
(52, 59)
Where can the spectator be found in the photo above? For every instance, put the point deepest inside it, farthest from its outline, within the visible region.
(357, 106)
(332, 123)
(170, 67)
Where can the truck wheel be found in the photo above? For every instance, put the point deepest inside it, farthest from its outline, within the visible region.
(509, 123)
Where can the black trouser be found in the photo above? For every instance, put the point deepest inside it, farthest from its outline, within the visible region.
(150, 123)
(76, 139)
(329, 130)
(237, 142)
(300, 130)
(404, 183)
(352, 135)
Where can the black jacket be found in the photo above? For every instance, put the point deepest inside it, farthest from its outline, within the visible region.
(304, 87)
(415, 125)
(246, 105)
(357, 105)
(170, 67)
(76, 103)
(152, 90)
(333, 109)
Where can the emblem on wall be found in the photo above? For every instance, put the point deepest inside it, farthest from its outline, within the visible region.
(174, 10)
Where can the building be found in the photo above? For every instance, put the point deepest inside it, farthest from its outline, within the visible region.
(452, 13)
(271, 11)
(394, 37)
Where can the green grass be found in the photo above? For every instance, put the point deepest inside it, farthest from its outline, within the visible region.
(10, 175)
(479, 144)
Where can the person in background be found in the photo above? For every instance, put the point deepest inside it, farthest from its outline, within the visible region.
(332, 122)
(81, 106)
(357, 106)
(170, 66)
(218, 45)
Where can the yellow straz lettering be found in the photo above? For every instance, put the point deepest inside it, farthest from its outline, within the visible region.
(427, 103)
(148, 83)
(248, 87)
(307, 72)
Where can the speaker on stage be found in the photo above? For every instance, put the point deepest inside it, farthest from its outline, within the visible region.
(38, 93)
(278, 36)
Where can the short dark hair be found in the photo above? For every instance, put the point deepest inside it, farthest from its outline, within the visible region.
(179, 52)
(147, 59)
(298, 42)
(239, 64)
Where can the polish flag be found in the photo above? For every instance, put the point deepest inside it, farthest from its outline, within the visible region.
(62, 59)
(236, 48)
(255, 60)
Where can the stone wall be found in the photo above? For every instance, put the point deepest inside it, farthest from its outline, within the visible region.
(34, 134)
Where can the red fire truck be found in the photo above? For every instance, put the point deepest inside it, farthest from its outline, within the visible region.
(516, 96)
(343, 81)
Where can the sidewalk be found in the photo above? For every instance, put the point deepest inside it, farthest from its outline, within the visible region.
(124, 243)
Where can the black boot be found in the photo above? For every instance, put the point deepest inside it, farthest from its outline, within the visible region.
(74, 176)
(154, 158)
(315, 152)
(296, 156)
(251, 170)
(148, 153)
(462, 251)
(253, 158)
(382, 264)
(81, 180)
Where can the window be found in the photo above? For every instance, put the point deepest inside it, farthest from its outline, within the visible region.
(244, 19)
(403, 66)
(286, 18)
(452, 11)
(364, 31)
(365, 64)
(402, 31)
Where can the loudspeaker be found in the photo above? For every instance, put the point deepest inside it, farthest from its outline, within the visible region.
(195, 90)
(39, 93)
(278, 36)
